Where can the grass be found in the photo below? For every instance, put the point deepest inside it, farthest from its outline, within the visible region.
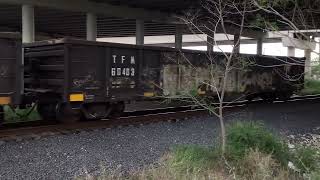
(311, 87)
(253, 154)
(306, 159)
(254, 166)
(193, 158)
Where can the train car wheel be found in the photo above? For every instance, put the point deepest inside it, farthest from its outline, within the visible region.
(96, 111)
(1, 115)
(47, 111)
(65, 114)
(117, 110)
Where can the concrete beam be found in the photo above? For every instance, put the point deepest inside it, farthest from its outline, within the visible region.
(139, 32)
(246, 32)
(298, 43)
(91, 27)
(28, 32)
(218, 42)
(97, 8)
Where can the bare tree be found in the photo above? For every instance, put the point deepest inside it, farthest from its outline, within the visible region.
(219, 71)
(232, 16)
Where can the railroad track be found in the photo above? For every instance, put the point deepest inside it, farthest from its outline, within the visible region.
(36, 132)
(38, 129)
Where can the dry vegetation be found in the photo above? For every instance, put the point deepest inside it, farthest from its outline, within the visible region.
(252, 153)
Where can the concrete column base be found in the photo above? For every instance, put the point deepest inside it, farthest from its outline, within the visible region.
(139, 32)
(291, 52)
(210, 42)
(178, 37)
(91, 27)
(236, 43)
(28, 29)
(307, 69)
(259, 46)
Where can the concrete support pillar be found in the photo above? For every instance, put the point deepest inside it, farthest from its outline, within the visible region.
(28, 29)
(139, 32)
(291, 51)
(91, 27)
(178, 37)
(236, 43)
(210, 42)
(259, 46)
(307, 69)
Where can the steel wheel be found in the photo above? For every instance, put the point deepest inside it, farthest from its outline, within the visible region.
(65, 114)
(96, 111)
(117, 110)
(47, 111)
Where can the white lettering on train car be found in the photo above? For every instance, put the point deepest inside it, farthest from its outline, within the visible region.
(123, 72)
(123, 58)
(128, 61)
(133, 61)
(114, 58)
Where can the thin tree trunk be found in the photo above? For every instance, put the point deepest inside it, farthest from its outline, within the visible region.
(223, 131)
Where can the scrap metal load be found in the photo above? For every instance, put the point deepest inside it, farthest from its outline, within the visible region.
(69, 79)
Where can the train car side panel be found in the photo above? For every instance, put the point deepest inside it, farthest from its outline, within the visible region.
(87, 72)
(150, 74)
(10, 79)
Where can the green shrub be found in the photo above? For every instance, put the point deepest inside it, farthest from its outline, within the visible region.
(244, 136)
(306, 159)
(315, 175)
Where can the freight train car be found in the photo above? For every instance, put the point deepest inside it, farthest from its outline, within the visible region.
(71, 78)
(10, 72)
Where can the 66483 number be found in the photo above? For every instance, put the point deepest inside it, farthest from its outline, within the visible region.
(123, 72)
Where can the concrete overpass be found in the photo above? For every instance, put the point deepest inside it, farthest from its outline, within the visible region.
(99, 18)
(93, 19)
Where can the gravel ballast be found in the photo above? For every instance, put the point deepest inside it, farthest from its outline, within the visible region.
(128, 148)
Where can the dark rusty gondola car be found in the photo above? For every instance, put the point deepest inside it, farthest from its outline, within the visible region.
(71, 78)
(10, 71)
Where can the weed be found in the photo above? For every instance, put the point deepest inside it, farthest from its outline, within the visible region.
(244, 136)
(306, 159)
